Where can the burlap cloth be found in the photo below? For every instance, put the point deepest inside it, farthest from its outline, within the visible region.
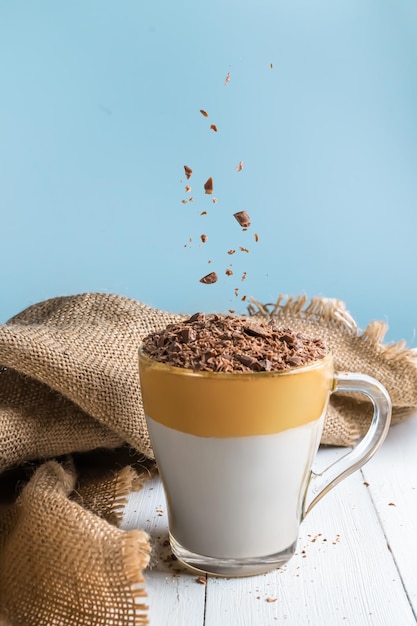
(73, 435)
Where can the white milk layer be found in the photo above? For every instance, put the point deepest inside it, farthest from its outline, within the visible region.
(237, 497)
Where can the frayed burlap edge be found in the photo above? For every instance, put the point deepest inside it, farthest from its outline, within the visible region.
(80, 547)
(394, 365)
(333, 312)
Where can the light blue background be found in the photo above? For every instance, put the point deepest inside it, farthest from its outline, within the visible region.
(99, 112)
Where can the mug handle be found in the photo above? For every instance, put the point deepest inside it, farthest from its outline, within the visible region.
(321, 483)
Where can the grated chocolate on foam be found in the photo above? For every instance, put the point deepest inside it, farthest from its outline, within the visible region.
(226, 343)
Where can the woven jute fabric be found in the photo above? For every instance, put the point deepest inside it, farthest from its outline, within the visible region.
(73, 444)
(394, 365)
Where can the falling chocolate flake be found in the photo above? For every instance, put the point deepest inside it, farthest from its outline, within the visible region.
(256, 236)
(188, 171)
(229, 273)
(203, 238)
(242, 249)
(208, 185)
(236, 291)
(271, 66)
(203, 112)
(184, 201)
(214, 200)
(243, 218)
(227, 79)
(187, 188)
(209, 279)
(231, 251)
(243, 298)
(203, 213)
(243, 276)
(239, 166)
(231, 311)
(213, 127)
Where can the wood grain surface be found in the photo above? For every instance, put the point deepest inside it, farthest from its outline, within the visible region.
(355, 563)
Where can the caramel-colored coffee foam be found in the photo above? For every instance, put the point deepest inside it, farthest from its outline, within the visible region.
(217, 404)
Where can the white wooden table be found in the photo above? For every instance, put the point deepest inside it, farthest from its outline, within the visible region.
(356, 562)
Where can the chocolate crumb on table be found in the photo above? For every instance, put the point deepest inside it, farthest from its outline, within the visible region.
(228, 343)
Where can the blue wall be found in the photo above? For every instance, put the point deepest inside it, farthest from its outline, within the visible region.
(99, 112)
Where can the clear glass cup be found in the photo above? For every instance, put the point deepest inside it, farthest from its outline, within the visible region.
(235, 454)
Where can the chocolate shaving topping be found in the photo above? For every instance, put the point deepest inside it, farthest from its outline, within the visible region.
(197, 317)
(209, 279)
(188, 171)
(243, 218)
(203, 112)
(227, 343)
(187, 334)
(213, 127)
(256, 330)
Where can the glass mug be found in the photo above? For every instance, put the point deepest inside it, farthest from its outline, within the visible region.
(235, 453)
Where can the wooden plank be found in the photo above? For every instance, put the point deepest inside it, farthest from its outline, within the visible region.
(342, 573)
(175, 596)
(392, 478)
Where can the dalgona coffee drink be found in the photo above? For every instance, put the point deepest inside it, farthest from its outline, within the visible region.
(235, 410)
